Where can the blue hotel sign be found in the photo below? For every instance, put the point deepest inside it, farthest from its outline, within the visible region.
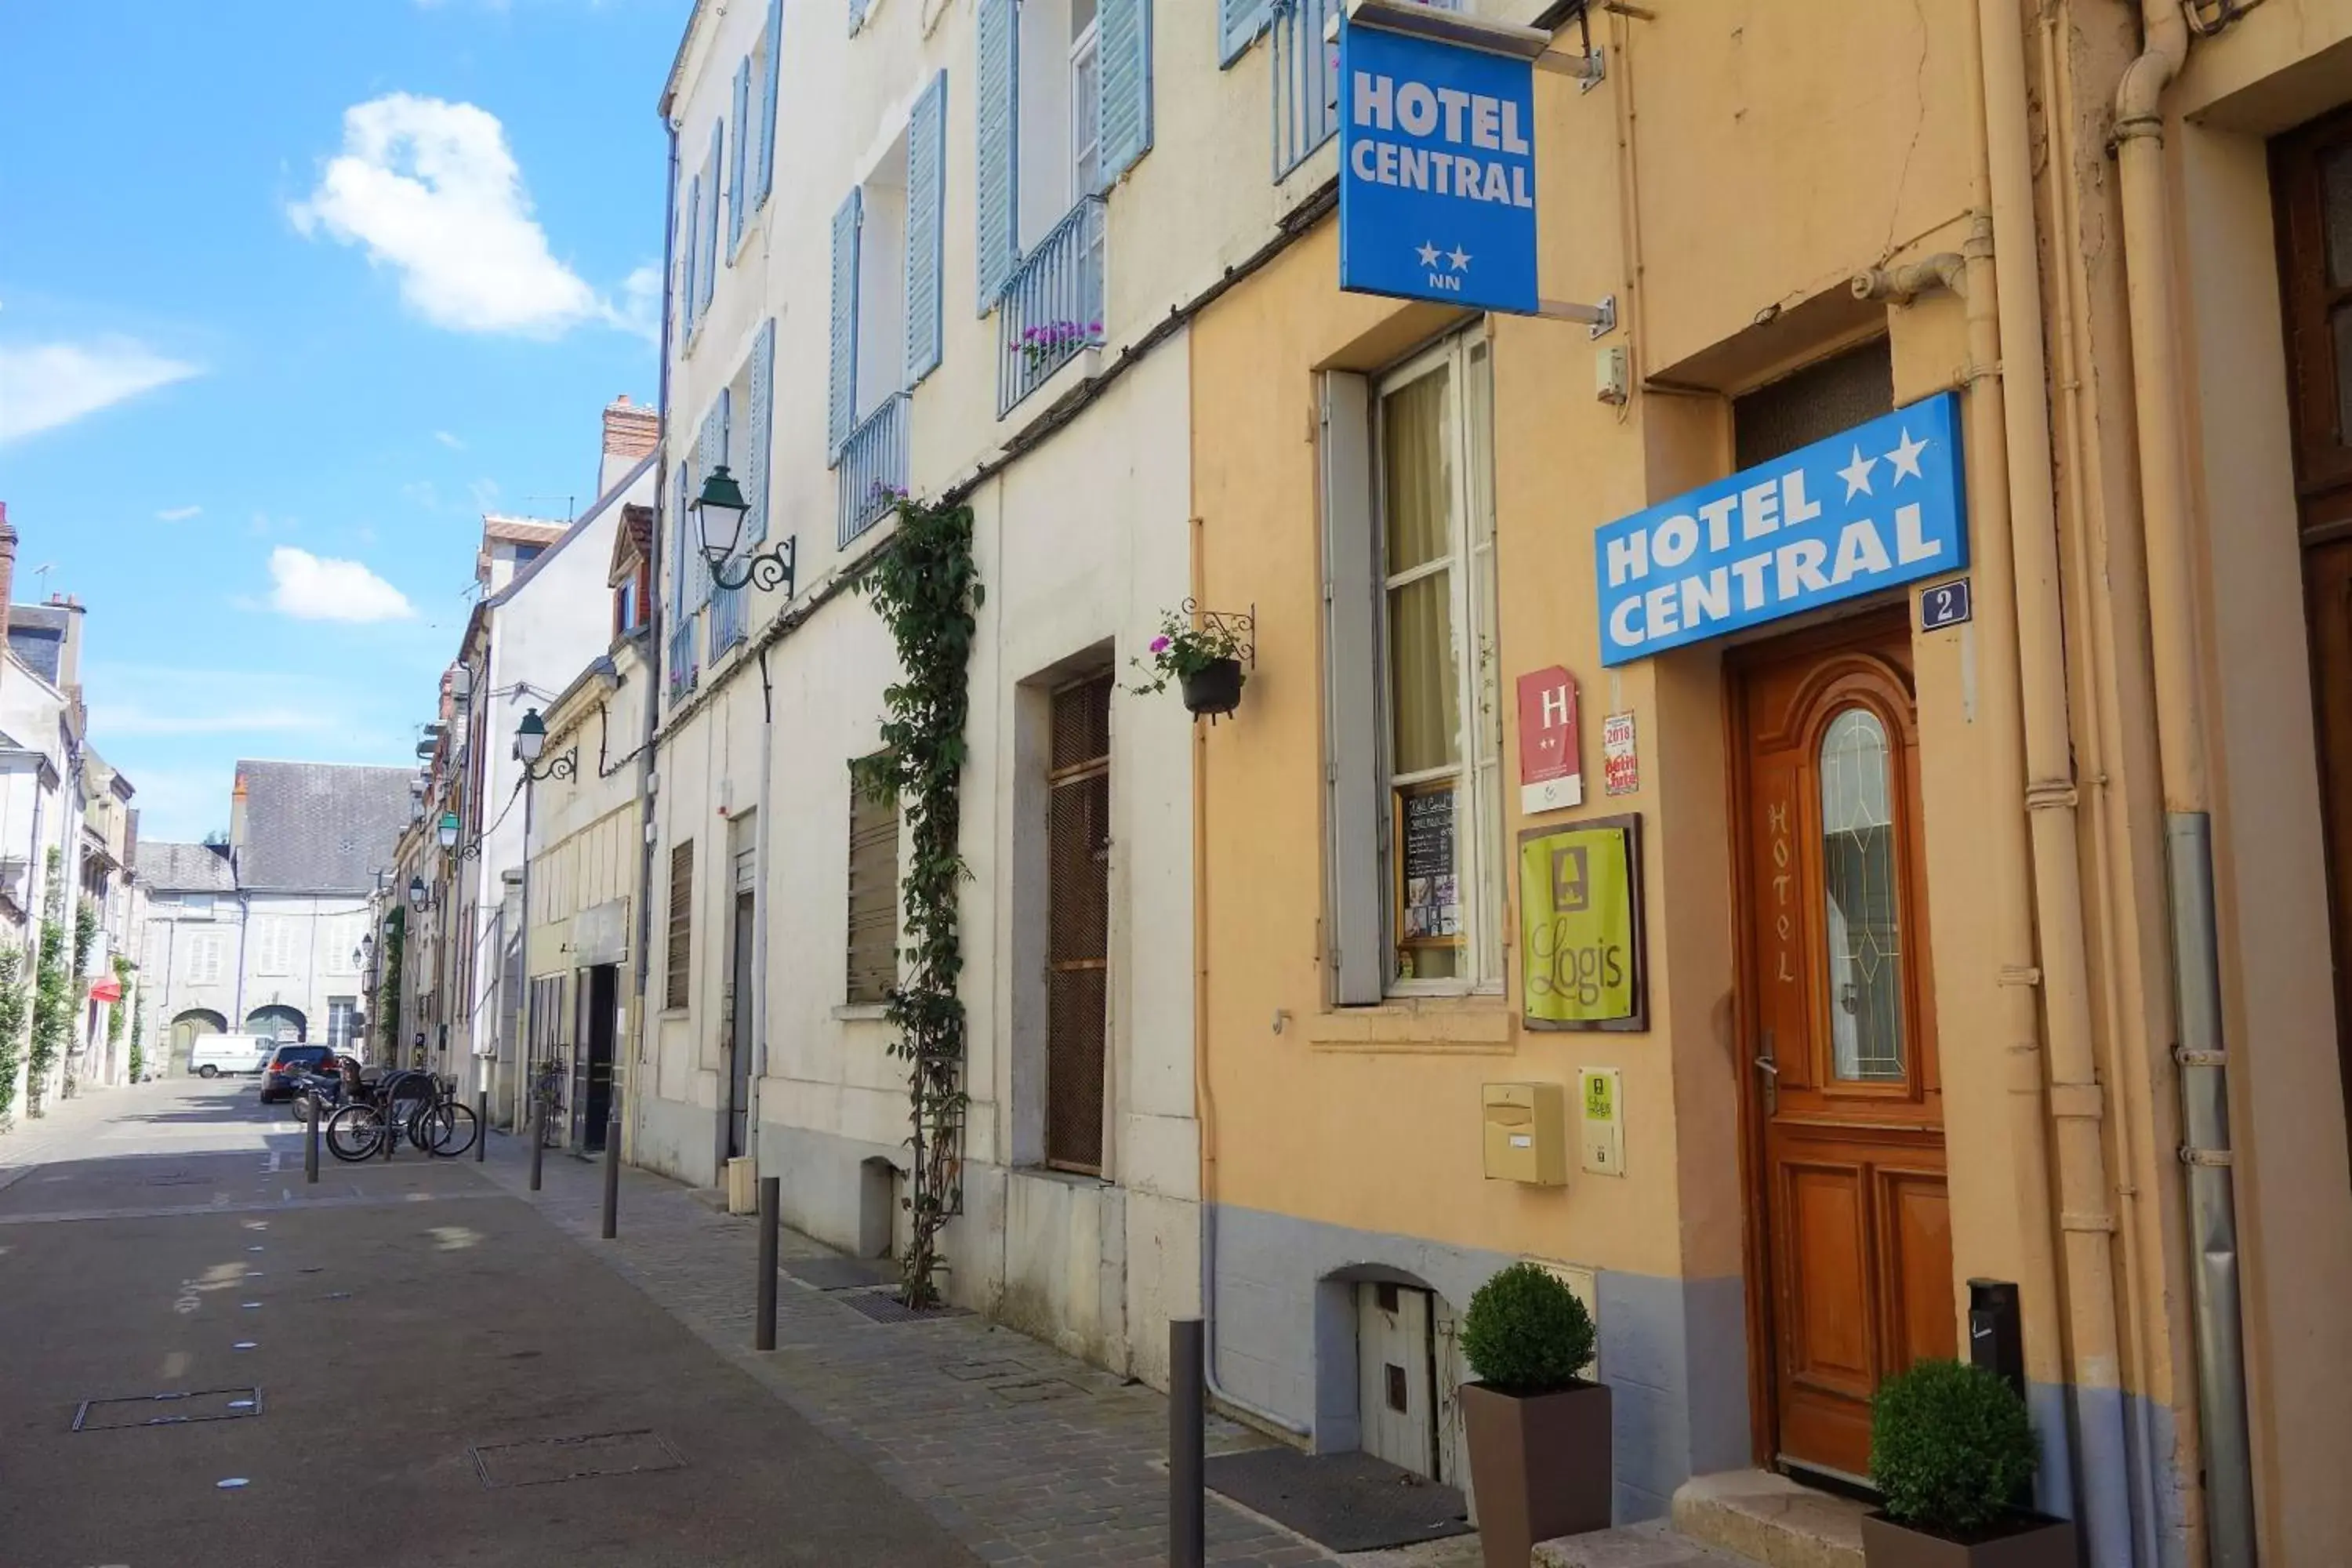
(1878, 505)
(1438, 161)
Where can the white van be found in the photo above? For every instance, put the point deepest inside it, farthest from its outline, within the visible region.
(209, 1056)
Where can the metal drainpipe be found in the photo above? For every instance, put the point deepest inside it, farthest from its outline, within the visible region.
(2201, 1049)
(648, 780)
(2085, 1185)
(1204, 1105)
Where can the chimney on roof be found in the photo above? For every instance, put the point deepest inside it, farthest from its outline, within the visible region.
(631, 431)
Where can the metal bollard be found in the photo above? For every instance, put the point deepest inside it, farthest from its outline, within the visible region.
(613, 1173)
(311, 1143)
(1188, 1437)
(481, 1125)
(771, 1199)
(538, 1139)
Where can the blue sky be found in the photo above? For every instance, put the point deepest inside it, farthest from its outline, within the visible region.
(291, 293)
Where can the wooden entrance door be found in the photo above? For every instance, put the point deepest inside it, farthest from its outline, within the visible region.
(1854, 1276)
(2311, 171)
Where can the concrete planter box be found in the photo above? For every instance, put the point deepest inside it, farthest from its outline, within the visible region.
(2026, 1541)
(1540, 1466)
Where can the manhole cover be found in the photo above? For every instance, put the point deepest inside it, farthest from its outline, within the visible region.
(884, 1308)
(839, 1273)
(1035, 1391)
(548, 1460)
(167, 1409)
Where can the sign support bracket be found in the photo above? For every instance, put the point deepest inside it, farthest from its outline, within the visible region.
(1601, 318)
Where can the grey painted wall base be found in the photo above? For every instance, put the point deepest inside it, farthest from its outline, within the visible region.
(1673, 1352)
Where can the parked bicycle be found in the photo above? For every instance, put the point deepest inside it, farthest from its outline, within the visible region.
(408, 1104)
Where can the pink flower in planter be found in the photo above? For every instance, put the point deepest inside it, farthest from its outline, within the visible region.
(1159, 645)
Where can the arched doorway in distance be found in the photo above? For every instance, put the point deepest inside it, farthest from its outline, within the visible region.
(277, 1022)
(185, 1027)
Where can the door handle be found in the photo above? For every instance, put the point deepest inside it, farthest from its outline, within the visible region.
(1769, 1066)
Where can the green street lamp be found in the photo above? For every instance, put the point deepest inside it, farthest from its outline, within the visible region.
(720, 511)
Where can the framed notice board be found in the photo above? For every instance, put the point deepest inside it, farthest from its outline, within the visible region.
(1428, 886)
(1583, 948)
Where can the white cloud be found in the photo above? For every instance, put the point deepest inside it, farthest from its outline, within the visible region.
(44, 386)
(639, 310)
(178, 513)
(132, 719)
(430, 189)
(448, 440)
(318, 588)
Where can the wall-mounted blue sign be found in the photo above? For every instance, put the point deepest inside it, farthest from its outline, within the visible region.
(1874, 506)
(1437, 171)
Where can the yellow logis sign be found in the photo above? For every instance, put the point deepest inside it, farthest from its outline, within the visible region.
(1581, 925)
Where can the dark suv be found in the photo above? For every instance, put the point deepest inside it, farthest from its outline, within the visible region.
(278, 1080)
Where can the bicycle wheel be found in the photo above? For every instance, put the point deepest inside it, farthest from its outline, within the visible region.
(451, 1127)
(355, 1132)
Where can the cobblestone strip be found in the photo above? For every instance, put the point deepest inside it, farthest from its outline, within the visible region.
(1028, 1455)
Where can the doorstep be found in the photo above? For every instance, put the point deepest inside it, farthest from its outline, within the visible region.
(1653, 1543)
(1770, 1519)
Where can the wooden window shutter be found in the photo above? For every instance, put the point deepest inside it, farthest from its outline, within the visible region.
(873, 896)
(678, 987)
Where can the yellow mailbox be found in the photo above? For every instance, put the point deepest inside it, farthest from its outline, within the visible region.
(1526, 1137)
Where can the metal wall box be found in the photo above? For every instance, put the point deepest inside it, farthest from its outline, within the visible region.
(1526, 1137)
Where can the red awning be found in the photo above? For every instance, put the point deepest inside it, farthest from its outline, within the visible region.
(107, 990)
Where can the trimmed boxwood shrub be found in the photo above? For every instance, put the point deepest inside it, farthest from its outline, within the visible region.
(1951, 1445)
(1526, 1332)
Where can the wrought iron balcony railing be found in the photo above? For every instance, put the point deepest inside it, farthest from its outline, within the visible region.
(872, 469)
(1306, 80)
(1052, 310)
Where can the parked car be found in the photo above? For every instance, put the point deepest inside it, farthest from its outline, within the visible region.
(279, 1081)
(210, 1055)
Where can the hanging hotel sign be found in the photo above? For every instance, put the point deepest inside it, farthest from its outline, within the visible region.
(1437, 182)
(1581, 955)
(1868, 509)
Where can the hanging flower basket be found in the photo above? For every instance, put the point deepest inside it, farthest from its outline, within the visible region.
(1214, 689)
(1204, 660)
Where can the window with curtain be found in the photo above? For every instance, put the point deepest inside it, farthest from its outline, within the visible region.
(1440, 700)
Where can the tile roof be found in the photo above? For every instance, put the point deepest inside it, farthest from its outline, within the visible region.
(183, 867)
(36, 634)
(319, 827)
(521, 529)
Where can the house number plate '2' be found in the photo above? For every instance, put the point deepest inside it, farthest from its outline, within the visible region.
(1944, 605)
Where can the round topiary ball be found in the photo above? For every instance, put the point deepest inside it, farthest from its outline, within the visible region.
(1526, 1332)
(1951, 1445)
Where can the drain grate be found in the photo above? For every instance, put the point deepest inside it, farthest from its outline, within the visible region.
(839, 1273)
(167, 1409)
(545, 1460)
(884, 1308)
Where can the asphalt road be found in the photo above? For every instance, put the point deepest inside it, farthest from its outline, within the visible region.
(399, 1365)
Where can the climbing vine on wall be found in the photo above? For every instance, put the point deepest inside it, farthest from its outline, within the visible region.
(119, 1016)
(926, 589)
(53, 996)
(84, 937)
(387, 1001)
(13, 1008)
(138, 1030)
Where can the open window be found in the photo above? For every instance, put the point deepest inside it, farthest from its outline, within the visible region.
(1417, 873)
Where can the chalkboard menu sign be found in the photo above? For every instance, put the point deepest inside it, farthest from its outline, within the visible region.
(1430, 907)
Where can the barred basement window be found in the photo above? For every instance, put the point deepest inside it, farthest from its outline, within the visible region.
(678, 989)
(873, 896)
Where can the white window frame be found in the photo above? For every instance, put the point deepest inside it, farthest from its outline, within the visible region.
(1085, 102)
(1481, 860)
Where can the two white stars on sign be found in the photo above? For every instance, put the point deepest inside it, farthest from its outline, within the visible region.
(1457, 255)
(1904, 460)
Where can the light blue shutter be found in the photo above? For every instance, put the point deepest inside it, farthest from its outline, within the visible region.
(997, 96)
(756, 435)
(736, 186)
(857, 15)
(710, 271)
(1124, 40)
(841, 405)
(710, 452)
(927, 151)
(1239, 22)
(689, 239)
(768, 103)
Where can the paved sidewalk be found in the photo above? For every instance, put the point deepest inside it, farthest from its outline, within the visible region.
(1027, 1456)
